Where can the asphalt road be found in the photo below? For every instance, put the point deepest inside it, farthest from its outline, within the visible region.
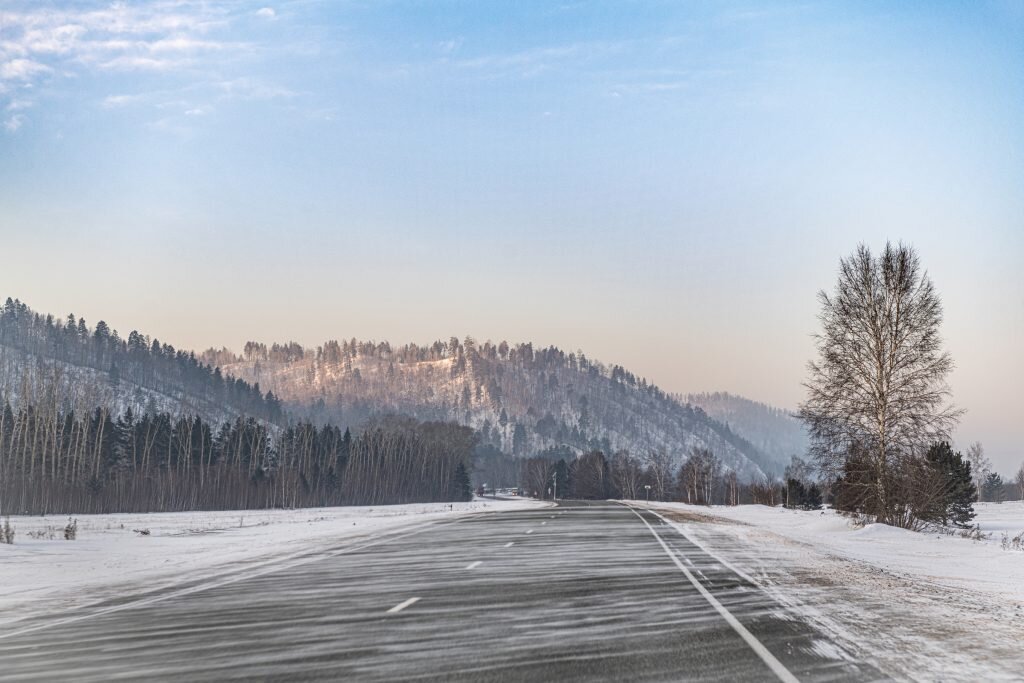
(578, 592)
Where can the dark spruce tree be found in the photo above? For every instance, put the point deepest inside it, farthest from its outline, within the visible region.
(803, 496)
(463, 488)
(812, 497)
(993, 487)
(956, 492)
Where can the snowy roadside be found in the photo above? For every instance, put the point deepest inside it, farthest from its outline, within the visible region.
(924, 606)
(43, 573)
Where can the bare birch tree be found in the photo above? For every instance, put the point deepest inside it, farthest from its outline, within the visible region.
(879, 385)
(981, 466)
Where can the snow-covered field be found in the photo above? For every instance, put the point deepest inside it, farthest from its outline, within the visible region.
(41, 572)
(925, 606)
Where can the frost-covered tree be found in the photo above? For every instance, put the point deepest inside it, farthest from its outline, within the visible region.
(878, 387)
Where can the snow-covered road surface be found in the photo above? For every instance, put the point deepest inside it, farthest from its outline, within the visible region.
(585, 592)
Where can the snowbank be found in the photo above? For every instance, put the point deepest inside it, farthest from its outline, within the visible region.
(42, 572)
(952, 561)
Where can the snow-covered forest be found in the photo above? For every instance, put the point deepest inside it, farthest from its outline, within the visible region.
(520, 399)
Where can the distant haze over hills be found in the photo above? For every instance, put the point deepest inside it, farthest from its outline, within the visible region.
(775, 432)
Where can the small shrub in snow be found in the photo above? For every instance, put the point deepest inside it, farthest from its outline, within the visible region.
(1013, 542)
(7, 532)
(49, 533)
(857, 520)
(974, 533)
(71, 530)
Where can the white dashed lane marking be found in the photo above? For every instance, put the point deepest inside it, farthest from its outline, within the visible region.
(402, 605)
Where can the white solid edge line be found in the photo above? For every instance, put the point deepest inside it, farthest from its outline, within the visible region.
(402, 605)
(474, 565)
(692, 539)
(756, 645)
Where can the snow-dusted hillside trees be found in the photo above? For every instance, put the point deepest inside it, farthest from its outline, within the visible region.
(44, 359)
(521, 400)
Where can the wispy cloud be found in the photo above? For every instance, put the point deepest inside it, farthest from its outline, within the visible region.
(41, 45)
(13, 123)
(266, 12)
(449, 46)
(253, 89)
(19, 105)
(22, 70)
(143, 63)
(526, 62)
(115, 101)
(531, 62)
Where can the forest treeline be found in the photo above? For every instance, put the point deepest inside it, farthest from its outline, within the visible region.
(66, 462)
(700, 480)
(945, 497)
(136, 360)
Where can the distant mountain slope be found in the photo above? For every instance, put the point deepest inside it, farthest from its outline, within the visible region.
(522, 400)
(49, 360)
(775, 432)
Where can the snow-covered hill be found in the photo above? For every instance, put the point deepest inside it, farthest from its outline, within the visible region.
(69, 366)
(522, 400)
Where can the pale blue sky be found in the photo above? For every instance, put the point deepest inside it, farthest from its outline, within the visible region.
(664, 185)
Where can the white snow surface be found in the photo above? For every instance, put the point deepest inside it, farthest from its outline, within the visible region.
(109, 558)
(922, 606)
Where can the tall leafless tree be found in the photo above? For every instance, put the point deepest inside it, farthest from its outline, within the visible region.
(879, 385)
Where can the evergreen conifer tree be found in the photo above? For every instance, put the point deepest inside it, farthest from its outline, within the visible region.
(463, 488)
(993, 487)
(956, 504)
